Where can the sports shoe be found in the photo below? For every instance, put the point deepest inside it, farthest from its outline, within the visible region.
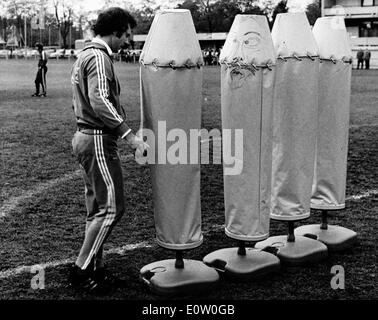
(43, 94)
(84, 280)
(35, 95)
(102, 275)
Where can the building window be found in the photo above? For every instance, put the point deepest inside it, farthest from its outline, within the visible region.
(368, 29)
(368, 3)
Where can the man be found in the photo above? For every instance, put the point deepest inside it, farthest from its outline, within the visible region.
(360, 59)
(40, 78)
(367, 55)
(101, 121)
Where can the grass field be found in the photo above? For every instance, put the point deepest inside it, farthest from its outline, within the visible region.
(42, 210)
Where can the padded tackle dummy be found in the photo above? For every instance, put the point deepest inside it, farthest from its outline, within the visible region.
(328, 190)
(171, 86)
(295, 121)
(247, 82)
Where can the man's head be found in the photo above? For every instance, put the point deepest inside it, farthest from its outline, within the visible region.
(39, 46)
(115, 26)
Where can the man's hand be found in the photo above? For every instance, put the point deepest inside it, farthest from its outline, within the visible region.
(137, 144)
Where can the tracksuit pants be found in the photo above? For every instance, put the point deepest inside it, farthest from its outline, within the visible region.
(98, 158)
(367, 64)
(40, 80)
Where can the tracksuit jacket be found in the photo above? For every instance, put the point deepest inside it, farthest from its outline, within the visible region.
(96, 92)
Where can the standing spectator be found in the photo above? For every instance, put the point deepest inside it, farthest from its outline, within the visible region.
(213, 57)
(205, 56)
(367, 55)
(40, 79)
(121, 53)
(217, 52)
(128, 56)
(360, 59)
(209, 57)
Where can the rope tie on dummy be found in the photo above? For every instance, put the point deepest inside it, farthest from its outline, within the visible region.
(237, 64)
(187, 65)
(346, 60)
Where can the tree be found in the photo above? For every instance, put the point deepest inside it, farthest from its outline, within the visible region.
(313, 11)
(207, 11)
(144, 17)
(223, 14)
(249, 7)
(17, 10)
(202, 12)
(64, 18)
(196, 11)
(281, 7)
(212, 16)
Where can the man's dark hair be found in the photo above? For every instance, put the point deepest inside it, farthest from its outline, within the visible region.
(111, 20)
(39, 45)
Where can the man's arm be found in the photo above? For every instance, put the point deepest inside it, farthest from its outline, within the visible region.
(99, 71)
(43, 60)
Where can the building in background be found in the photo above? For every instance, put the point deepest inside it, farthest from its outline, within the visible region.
(213, 40)
(361, 19)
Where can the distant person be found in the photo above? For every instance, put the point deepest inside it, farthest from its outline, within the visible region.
(217, 54)
(40, 79)
(367, 55)
(360, 59)
(121, 53)
(209, 57)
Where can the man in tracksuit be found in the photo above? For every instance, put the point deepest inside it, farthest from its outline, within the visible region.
(40, 79)
(100, 121)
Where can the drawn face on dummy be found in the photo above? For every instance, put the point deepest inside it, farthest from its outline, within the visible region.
(248, 45)
(245, 45)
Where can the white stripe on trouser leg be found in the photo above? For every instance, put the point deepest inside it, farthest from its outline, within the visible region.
(43, 80)
(110, 205)
(112, 209)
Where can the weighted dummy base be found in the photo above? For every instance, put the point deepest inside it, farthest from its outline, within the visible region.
(299, 252)
(336, 238)
(164, 278)
(253, 264)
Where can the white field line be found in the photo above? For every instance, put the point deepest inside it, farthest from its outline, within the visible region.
(22, 269)
(118, 250)
(357, 126)
(366, 194)
(12, 203)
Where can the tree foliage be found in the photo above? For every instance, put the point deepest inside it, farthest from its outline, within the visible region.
(281, 7)
(208, 15)
(63, 10)
(313, 11)
(144, 17)
(217, 16)
(14, 12)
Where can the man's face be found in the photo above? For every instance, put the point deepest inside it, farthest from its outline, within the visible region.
(125, 38)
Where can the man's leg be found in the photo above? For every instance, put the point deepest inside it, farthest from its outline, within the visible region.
(43, 81)
(36, 82)
(104, 173)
